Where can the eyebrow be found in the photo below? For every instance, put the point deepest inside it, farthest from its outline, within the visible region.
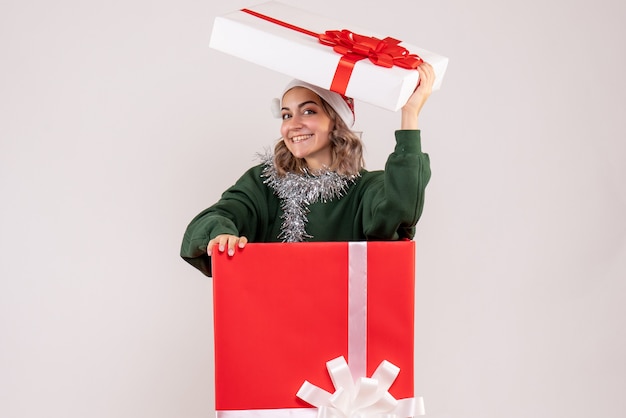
(301, 105)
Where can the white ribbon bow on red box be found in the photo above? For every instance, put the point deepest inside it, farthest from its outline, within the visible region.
(365, 398)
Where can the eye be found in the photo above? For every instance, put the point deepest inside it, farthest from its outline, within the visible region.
(309, 112)
(285, 116)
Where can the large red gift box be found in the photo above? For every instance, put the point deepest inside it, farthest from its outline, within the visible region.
(283, 310)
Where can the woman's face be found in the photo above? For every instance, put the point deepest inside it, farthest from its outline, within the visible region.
(306, 127)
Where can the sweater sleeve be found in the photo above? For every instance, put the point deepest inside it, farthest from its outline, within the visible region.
(395, 201)
(240, 211)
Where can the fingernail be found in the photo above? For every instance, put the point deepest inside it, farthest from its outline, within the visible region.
(231, 252)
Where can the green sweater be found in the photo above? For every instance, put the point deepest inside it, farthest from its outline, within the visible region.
(379, 205)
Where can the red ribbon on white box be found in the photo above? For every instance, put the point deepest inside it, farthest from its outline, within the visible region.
(353, 47)
(360, 398)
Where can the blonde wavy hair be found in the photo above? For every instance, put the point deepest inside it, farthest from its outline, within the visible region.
(346, 150)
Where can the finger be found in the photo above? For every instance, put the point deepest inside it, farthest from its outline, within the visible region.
(211, 245)
(222, 241)
(426, 67)
(426, 83)
(232, 242)
(424, 73)
(427, 72)
(431, 71)
(242, 242)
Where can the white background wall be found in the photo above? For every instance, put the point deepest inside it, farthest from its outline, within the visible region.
(118, 124)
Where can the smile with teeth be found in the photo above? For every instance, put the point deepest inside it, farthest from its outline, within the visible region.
(300, 138)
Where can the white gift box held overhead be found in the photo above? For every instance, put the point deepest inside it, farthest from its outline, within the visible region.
(285, 39)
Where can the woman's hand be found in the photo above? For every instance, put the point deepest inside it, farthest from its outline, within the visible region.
(226, 241)
(412, 108)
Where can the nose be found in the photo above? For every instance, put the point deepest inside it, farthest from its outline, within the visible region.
(295, 122)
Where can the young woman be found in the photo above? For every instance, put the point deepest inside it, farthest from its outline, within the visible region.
(314, 186)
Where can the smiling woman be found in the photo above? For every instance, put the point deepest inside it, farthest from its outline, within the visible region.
(314, 187)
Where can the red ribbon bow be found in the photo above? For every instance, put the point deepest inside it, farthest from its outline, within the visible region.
(353, 48)
(384, 52)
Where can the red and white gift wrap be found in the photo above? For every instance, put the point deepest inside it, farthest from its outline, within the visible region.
(358, 63)
(283, 310)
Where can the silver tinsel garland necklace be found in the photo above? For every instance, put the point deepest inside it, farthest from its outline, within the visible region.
(297, 191)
